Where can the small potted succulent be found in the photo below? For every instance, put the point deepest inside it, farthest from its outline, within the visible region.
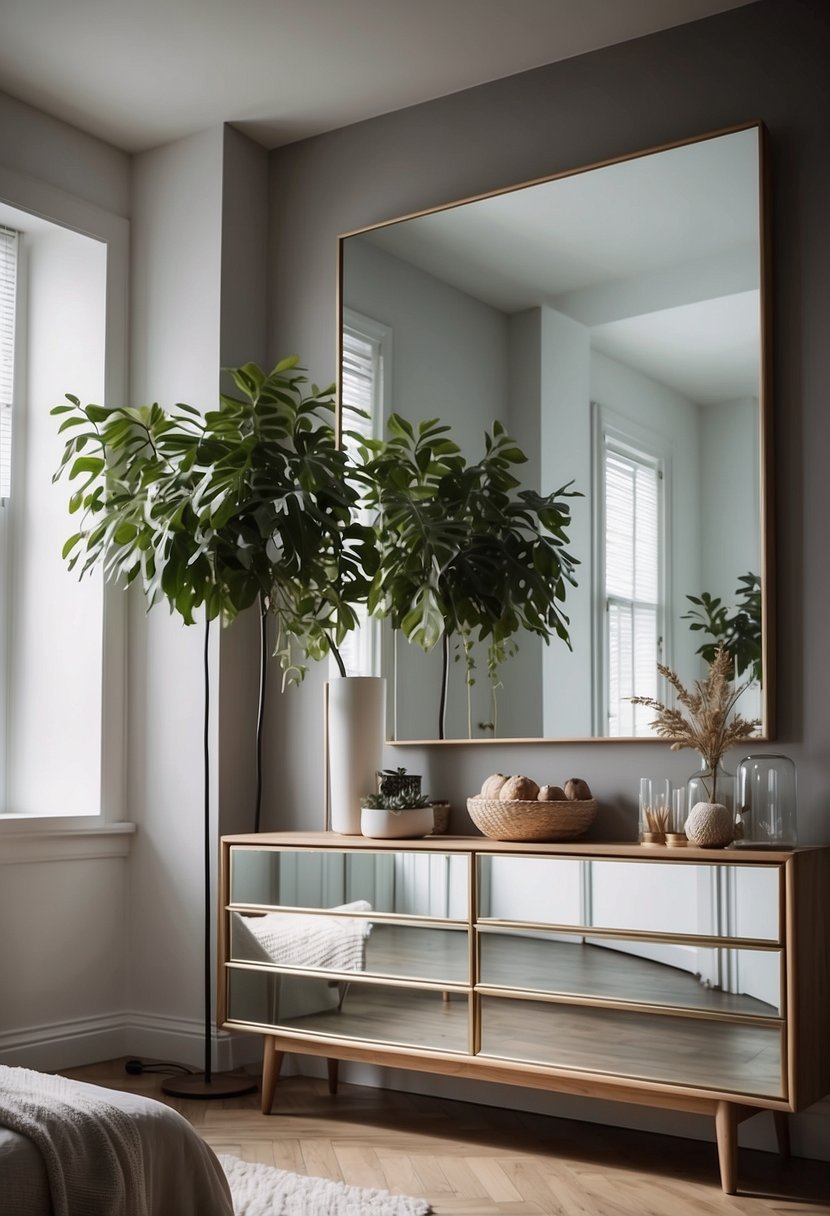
(404, 815)
(398, 781)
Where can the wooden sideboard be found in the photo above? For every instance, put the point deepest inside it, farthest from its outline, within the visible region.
(691, 979)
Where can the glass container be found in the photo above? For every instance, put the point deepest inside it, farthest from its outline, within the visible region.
(655, 809)
(767, 802)
(710, 784)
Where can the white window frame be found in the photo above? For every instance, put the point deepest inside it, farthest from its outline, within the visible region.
(612, 429)
(6, 508)
(42, 837)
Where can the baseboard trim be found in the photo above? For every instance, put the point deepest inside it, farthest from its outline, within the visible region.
(73, 1043)
(65, 1044)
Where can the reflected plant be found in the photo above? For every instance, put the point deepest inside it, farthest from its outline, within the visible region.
(461, 550)
(738, 629)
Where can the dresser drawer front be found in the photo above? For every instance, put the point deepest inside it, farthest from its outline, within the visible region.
(735, 1058)
(338, 944)
(422, 884)
(659, 973)
(360, 1011)
(676, 898)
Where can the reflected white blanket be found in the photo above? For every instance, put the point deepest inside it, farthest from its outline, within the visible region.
(293, 939)
(106, 1152)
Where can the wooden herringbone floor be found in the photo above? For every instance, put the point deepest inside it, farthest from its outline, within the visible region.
(472, 1160)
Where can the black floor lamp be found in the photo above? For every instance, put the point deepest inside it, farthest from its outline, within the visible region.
(208, 1084)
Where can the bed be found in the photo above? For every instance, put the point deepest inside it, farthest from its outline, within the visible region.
(67, 1147)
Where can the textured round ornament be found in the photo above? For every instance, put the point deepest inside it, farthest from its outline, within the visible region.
(710, 825)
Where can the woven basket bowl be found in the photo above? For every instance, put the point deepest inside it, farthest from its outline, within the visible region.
(514, 820)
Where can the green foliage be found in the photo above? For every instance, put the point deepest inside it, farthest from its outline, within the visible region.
(398, 781)
(250, 500)
(738, 628)
(460, 548)
(394, 802)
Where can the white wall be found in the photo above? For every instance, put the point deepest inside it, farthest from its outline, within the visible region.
(566, 456)
(730, 474)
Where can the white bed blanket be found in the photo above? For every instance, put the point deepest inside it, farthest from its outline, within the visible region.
(108, 1153)
(292, 939)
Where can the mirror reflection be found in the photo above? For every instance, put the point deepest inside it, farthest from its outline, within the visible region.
(612, 320)
(307, 1005)
(402, 884)
(598, 897)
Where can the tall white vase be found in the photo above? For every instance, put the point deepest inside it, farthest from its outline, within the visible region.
(356, 734)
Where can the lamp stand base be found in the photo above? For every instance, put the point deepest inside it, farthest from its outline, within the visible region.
(220, 1085)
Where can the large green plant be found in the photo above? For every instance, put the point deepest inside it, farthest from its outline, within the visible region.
(250, 501)
(461, 549)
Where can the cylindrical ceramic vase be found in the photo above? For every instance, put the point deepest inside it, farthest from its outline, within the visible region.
(356, 733)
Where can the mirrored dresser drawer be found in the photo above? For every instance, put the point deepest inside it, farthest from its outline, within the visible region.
(345, 943)
(393, 882)
(743, 1057)
(678, 898)
(356, 1010)
(634, 971)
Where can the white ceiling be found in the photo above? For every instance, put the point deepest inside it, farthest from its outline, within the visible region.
(657, 255)
(141, 74)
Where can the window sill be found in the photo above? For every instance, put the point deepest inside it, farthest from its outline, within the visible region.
(61, 838)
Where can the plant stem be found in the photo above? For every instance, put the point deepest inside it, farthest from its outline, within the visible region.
(341, 666)
(445, 676)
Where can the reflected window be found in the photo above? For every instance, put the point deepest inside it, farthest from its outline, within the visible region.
(8, 297)
(633, 475)
(365, 366)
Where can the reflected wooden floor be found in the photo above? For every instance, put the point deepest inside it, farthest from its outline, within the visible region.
(470, 1160)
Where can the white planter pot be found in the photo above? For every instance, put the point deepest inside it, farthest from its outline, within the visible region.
(356, 734)
(406, 824)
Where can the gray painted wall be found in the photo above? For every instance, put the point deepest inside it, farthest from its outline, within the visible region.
(766, 61)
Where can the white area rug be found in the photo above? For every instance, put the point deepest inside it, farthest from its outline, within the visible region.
(262, 1190)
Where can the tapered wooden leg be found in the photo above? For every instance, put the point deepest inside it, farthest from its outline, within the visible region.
(726, 1128)
(271, 1064)
(782, 1131)
(333, 1066)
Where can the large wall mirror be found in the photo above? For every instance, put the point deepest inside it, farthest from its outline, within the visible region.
(615, 320)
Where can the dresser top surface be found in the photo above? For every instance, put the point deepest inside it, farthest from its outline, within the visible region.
(481, 844)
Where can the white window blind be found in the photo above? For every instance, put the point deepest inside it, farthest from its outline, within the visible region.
(8, 298)
(633, 578)
(361, 388)
(361, 383)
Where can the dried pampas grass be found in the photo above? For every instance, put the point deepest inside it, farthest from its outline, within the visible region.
(709, 726)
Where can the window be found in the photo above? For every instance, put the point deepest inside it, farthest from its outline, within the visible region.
(631, 517)
(62, 313)
(8, 305)
(366, 346)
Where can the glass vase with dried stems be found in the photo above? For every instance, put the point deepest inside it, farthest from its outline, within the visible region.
(709, 725)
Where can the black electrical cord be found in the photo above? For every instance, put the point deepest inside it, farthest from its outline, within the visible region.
(136, 1067)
